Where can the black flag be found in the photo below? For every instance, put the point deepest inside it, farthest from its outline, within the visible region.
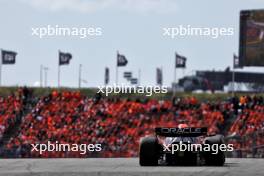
(159, 76)
(8, 57)
(128, 75)
(134, 81)
(107, 75)
(64, 58)
(121, 60)
(180, 61)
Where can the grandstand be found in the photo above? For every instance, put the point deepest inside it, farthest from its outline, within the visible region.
(118, 123)
(217, 80)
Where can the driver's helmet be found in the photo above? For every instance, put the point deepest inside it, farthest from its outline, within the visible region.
(183, 125)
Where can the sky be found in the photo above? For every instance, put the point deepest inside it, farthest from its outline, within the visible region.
(133, 27)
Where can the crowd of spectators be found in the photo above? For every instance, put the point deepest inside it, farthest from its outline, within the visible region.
(11, 108)
(118, 124)
(248, 128)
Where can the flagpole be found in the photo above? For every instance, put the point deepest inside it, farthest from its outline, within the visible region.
(58, 76)
(116, 74)
(46, 76)
(105, 82)
(59, 71)
(233, 76)
(117, 68)
(175, 84)
(80, 75)
(139, 77)
(1, 67)
(175, 75)
(161, 76)
(233, 82)
(105, 76)
(40, 76)
(175, 68)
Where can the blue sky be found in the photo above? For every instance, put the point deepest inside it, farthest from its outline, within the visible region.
(134, 27)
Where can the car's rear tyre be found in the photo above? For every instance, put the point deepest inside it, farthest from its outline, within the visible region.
(149, 151)
(215, 159)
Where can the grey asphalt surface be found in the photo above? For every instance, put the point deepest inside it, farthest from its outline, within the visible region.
(123, 166)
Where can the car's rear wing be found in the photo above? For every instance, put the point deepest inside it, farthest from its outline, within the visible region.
(181, 132)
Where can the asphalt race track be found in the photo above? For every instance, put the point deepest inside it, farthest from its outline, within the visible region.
(122, 166)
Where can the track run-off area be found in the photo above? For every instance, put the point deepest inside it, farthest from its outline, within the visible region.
(123, 166)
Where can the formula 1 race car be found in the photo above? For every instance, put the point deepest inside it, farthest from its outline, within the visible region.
(182, 146)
